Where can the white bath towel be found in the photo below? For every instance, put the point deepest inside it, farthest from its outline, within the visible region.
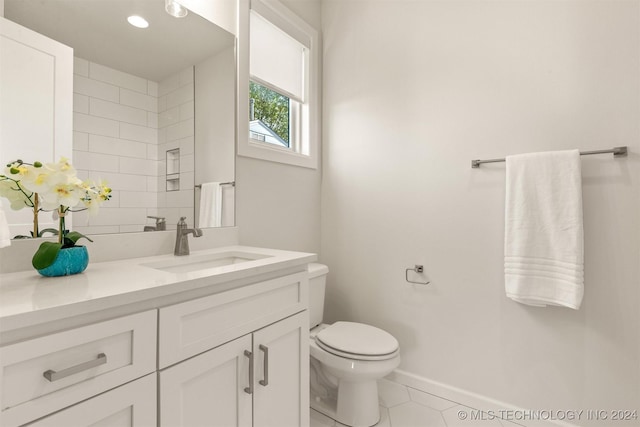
(210, 205)
(5, 234)
(543, 254)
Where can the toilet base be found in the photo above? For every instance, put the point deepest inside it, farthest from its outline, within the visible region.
(356, 404)
(346, 389)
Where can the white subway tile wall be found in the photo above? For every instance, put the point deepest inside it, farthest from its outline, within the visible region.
(138, 133)
(95, 125)
(80, 141)
(123, 125)
(83, 85)
(176, 130)
(117, 78)
(138, 100)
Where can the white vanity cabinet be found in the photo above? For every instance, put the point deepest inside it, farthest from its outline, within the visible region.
(42, 375)
(222, 347)
(131, 405)
(242, 383)
(259, 378)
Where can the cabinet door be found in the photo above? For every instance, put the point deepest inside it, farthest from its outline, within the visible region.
(132, 405)
(209, 389)
(281, 350)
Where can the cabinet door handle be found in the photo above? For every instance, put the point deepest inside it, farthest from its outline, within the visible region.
(249, 390)
(265, 349)
(52, 375)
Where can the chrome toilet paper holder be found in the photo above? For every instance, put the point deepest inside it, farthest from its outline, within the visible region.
(416, 269)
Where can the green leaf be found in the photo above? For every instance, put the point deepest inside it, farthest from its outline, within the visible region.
(72, 237)
(45, 255)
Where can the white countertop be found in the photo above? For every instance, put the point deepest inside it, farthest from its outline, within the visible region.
(27, 298)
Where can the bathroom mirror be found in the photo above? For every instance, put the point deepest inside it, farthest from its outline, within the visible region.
(153, 110)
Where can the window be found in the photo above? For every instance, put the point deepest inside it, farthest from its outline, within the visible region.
(269, 115)
(281, 87)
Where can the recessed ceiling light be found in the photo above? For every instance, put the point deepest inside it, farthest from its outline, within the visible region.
(138, 21)
(175, 9)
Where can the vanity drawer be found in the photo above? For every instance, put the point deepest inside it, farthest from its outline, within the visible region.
(133, 404)
(195, 326)
(43, 375)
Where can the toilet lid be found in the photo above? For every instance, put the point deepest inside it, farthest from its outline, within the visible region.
(356, 339)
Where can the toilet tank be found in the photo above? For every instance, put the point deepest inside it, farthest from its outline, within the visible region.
(317, 283)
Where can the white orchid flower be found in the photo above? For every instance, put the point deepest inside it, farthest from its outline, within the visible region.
(18, 197)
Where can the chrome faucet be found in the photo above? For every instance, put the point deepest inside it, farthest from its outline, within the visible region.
(182, 234)
(161, 224)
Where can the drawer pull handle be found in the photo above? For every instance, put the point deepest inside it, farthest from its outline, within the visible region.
(249, 390)
(52, 375)
(265, 349)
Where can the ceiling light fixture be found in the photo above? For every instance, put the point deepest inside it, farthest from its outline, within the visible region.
(175, 9)
(138, 21)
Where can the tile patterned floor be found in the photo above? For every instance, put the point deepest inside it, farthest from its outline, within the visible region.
(402, 406)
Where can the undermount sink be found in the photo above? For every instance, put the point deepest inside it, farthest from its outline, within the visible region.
(191, 263)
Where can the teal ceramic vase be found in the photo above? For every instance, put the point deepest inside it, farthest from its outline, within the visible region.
(69, 261)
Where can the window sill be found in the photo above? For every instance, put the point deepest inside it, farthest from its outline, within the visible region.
(269, 152)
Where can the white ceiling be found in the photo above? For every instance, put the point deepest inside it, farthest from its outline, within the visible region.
(98, 31)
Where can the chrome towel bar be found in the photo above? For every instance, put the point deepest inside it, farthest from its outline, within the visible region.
(231, 183)
(616, 151)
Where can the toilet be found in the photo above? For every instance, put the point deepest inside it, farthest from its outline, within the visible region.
(347, 359)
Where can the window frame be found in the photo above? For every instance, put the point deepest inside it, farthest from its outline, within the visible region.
(304, 143)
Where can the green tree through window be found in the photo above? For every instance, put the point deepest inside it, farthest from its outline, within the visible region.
(271, 108)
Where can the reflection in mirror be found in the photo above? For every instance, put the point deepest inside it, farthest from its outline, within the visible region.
(153, 110)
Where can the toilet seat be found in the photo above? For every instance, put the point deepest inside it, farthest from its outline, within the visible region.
(357, 341)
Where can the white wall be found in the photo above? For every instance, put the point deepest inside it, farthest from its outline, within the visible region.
(220, 12)
(413, 91)
(215, 133)
(279, 205)
(215, 105)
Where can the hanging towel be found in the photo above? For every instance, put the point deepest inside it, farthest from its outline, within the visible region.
(210, 205)
(5, 234)
(543, 254)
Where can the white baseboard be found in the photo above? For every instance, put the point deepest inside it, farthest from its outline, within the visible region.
(492, 407)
